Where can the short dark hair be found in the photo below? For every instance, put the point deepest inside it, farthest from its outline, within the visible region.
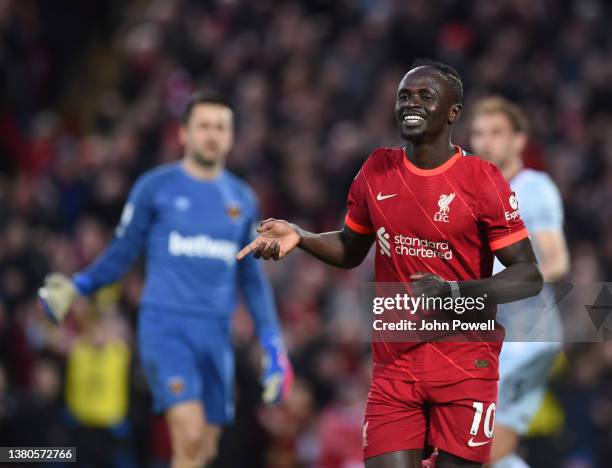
(204, 97)
(447, 72)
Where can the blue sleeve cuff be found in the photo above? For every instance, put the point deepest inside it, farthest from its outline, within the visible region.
(84, 284)
(270, 337)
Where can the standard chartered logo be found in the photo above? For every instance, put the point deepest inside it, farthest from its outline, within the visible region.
(412, 246)
(424, 248)
(383, 241)
(202, 246)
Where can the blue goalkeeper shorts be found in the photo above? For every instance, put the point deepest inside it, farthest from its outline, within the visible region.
(188, 358)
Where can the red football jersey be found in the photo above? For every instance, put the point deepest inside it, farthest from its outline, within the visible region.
(448, 221)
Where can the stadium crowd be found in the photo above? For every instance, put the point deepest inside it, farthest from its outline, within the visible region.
(91, 97)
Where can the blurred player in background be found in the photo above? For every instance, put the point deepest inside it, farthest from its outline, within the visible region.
(190, 218)
(499, 135)
(439, 393)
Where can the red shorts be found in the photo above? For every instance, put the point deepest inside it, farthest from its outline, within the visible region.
(455, 417)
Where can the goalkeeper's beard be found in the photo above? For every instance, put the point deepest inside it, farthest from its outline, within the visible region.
(206, 162)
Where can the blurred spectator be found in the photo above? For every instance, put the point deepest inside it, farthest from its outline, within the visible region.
(37, 413)
(97, 393)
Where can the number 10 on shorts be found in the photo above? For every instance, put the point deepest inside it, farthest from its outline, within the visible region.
(488, 421)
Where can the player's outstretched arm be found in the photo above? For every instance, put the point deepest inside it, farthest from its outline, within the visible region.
(277, 238)
(520, 279)
(343, 249)
(59, 291)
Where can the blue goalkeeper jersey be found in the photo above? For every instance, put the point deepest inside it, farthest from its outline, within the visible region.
(190, 231)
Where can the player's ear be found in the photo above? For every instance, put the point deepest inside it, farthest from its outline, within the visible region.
(521, 142)
(455, 113)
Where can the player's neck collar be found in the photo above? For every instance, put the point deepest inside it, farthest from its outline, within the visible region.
(517, 172)
(198, 178)
(436, 170)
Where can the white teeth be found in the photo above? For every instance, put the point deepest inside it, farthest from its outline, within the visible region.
(413, 118)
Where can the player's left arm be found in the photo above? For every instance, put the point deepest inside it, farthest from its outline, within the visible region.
(498, 215)
(546, 228)
(277, 376)
(520, 279)
(554, 261)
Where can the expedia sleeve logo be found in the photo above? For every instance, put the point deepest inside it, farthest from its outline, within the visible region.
(513, 202)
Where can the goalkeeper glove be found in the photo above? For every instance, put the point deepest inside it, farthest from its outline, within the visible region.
(57, 295)
(277, 377)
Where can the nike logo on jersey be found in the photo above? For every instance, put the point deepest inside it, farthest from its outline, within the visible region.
(471, 442)
(380, 196)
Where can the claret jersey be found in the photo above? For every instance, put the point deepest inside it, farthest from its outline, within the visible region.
(448, 221)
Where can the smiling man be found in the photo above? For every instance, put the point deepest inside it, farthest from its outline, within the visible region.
(431, 208)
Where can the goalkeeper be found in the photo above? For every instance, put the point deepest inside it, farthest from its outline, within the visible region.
(190, 218)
